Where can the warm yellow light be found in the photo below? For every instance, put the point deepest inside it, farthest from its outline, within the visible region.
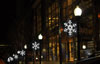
(77, 11)
(49, 23)
(44, 50)
(52, 21)
(49, 18)
(3, 45)
(55, 18)
(70, 40)
(50, 44)
(53, 44)
(70, 49)
(99, 15)
(50, 58)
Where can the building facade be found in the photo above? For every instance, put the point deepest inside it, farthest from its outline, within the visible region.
(48, 15)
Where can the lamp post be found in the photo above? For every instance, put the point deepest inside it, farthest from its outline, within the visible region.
(77, 13)
(40, 37)
(69, 29)
(35, 46)
(25, 47)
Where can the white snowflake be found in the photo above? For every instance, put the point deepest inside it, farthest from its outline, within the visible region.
(70, 28)
(15, 56)
(10, 59)
(22, 53)
(35, 45)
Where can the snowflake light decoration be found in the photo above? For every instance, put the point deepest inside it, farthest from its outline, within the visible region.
(35, 45)
(22, 53)
(70, 28)
(10, 59)
(15, 56)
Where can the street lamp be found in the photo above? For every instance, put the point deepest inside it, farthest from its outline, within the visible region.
(40, 37)
(35, 46)
(84, 46)
(78, 13)
(25, 46)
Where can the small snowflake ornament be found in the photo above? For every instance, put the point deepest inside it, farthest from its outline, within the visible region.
(10, 59)
(15, 56)
(70, 28)
(22, 53)
(35, 45)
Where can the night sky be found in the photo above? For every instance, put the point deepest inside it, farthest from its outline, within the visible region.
(8, 13)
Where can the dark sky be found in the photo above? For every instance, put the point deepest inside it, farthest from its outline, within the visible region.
(7, 14)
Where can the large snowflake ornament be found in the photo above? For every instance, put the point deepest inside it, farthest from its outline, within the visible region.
(70, 28)
(35, 45)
